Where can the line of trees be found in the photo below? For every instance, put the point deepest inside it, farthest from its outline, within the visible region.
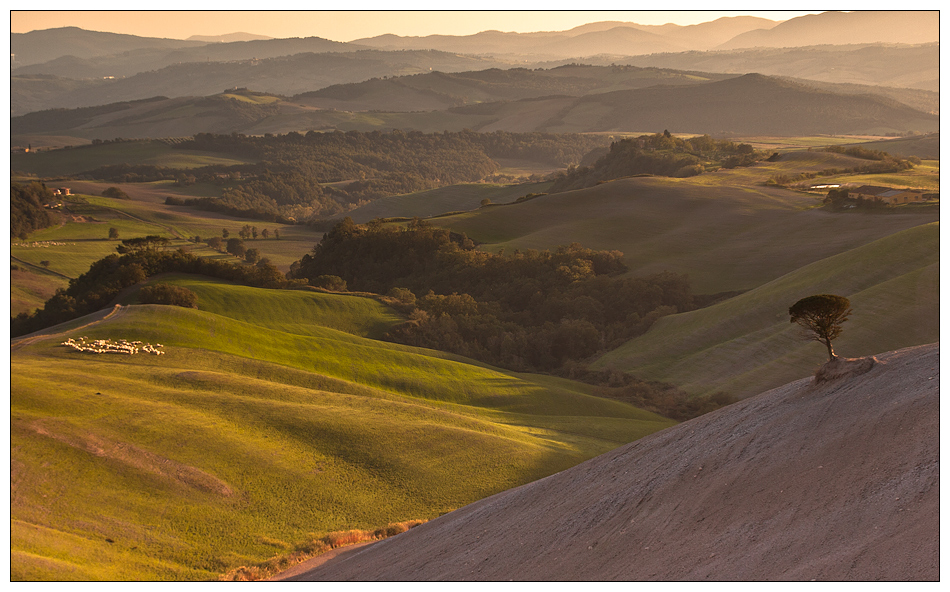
(95, 289)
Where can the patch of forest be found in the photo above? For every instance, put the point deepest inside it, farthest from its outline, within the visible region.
(658, 154)
(26, 208)
(292, 171)
(527, 311)
(531, 311)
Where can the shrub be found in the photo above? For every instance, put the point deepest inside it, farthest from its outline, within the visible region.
(334, 283)
(402, 295)
(116, 193)
(168, 294)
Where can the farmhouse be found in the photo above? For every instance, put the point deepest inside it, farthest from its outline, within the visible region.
(888, 195)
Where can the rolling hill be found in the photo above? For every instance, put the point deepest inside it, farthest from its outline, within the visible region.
(44, 45)
(887, 65)
(746, 344)
(439, 90)
(434, 202)
(834, 481)
(722, 229)
(106, 53)
(38, 88)
(842, 28)
(744, 105)
(243, 439)
(606, 37)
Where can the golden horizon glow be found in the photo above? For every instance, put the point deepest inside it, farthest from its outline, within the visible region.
(351, 25)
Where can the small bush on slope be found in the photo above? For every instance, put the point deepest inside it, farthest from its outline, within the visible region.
(168, 294)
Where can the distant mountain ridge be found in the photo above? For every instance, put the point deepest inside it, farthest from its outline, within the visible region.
(227, 38)
(591, 39)
(69, 67)
(41, 46)
(843, 28)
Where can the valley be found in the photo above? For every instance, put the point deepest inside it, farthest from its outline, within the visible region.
(513, 284)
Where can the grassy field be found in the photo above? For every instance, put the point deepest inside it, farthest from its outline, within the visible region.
(300, 312)
(724, 236)
(245, 439)
(443, 200)
(746, 344)
(66, 162)
(923, 176)
(82, 237)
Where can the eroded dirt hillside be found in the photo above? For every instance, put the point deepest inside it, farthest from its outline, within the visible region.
(830, 481)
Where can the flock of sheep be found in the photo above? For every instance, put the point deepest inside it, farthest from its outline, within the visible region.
(42, 244)
(106, 346)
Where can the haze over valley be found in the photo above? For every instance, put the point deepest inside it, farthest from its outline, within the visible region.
(278, 300)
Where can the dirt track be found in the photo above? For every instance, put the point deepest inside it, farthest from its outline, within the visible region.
(835, 481)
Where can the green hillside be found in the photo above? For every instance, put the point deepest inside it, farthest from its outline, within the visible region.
(291, 311)
(724, 229)
(244, 439)
(84, 158)
(82, 238)
(746, 345)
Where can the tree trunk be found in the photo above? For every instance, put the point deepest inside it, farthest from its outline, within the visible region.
(831, 351)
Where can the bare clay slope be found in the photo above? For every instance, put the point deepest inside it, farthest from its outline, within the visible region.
(835, 481)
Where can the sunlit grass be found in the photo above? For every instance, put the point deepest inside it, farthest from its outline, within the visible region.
(195, 462)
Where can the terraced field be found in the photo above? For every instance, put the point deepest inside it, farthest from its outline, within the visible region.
(246, 439)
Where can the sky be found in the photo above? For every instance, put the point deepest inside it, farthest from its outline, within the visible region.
(350, 25)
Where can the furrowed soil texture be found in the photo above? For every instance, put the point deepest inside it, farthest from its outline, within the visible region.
(834, 481)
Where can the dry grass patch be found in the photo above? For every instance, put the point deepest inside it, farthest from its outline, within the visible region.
(313, 548)
(844, 368)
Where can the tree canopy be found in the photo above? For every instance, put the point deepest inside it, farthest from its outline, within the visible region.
(821, 317)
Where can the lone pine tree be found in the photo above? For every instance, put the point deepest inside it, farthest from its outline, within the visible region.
(821, 316)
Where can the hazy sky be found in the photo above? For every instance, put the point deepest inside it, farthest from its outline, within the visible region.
(347, 26)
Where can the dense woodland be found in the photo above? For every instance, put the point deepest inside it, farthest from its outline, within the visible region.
(26, 208)
(530, 311)
(658, 154)
(292, 171)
